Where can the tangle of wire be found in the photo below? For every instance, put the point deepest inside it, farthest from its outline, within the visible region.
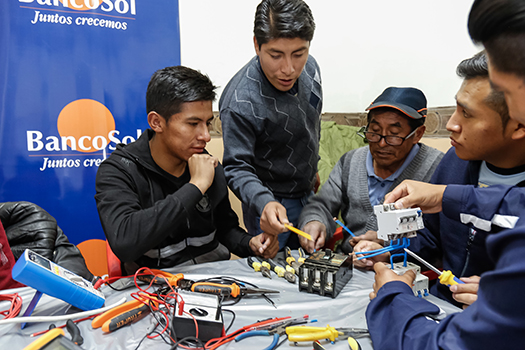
(162, 306)
(14, 308)
(398, 245)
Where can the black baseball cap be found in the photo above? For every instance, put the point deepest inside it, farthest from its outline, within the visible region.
(410, 101)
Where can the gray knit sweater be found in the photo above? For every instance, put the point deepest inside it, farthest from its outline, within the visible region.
(346, 190)
(271, 138)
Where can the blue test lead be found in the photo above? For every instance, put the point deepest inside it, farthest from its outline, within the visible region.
(344, 227)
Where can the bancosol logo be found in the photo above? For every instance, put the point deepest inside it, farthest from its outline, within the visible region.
(85, 126)
(120, 6)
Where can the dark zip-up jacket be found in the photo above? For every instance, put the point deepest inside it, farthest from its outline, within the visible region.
(449, 243)
(154, 219)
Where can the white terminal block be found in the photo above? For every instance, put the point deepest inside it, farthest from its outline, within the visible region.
(395, 223)
(420, 287)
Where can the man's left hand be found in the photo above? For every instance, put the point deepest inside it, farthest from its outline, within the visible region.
(265, 245)
(466, 293)
(384, 275)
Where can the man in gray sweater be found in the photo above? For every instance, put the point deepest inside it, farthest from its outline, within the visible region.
(270, 112)
(363, 176)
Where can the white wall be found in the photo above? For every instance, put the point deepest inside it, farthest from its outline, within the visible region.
(362, 46)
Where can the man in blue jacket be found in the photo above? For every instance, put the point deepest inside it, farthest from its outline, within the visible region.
(396, 319)
(487, 150)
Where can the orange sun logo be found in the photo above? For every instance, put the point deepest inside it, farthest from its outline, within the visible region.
(94, 4)
(87, 121)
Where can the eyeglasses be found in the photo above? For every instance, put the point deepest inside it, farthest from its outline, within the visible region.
(391, 140)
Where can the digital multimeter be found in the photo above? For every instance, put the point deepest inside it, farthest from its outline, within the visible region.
(42, 274)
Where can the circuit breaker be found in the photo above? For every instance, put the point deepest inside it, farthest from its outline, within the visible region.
(325, 273)
(397, 223)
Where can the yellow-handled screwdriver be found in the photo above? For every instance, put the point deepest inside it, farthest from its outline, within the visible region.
(445, 277)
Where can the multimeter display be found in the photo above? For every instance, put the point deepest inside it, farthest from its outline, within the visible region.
(60, 343)
(40, 260)
(42, 274)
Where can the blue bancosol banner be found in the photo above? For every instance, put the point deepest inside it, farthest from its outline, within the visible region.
(73, 79)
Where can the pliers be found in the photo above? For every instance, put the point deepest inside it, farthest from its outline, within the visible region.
(305, 333)
(290, 260)
(258, 267)
(275, 332)
(122, 315)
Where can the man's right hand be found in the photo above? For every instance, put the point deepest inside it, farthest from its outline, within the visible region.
(273, 218)
(410, 194)
(202, 170)
(317, 230)
(365, 246)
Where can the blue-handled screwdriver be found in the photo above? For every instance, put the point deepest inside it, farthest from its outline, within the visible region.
(445, 277)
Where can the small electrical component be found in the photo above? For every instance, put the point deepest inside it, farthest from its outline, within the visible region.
(325, 273)
(205, 309)
(420, 287)
(397, 223)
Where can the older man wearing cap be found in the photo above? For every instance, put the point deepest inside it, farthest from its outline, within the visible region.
(363, 176)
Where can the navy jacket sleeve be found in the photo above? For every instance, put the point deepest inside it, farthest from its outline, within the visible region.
(484, 207)
(496, 320)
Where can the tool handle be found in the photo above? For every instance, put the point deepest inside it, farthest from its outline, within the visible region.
(299, 232)
(302, 255)
(217, 288)
(305, 333)
(253, 264)
(449, 279)
(102, 318)
(125, 318)
(276, 268)
(288, 252)
(353, 344)
(73, 329)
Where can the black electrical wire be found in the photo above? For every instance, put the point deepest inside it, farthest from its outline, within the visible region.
(231, 323)
(144, 337)
(188, 339)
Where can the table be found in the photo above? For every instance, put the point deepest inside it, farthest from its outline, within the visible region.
(346, 310)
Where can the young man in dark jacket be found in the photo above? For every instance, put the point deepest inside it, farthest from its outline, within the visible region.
(163, 200)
